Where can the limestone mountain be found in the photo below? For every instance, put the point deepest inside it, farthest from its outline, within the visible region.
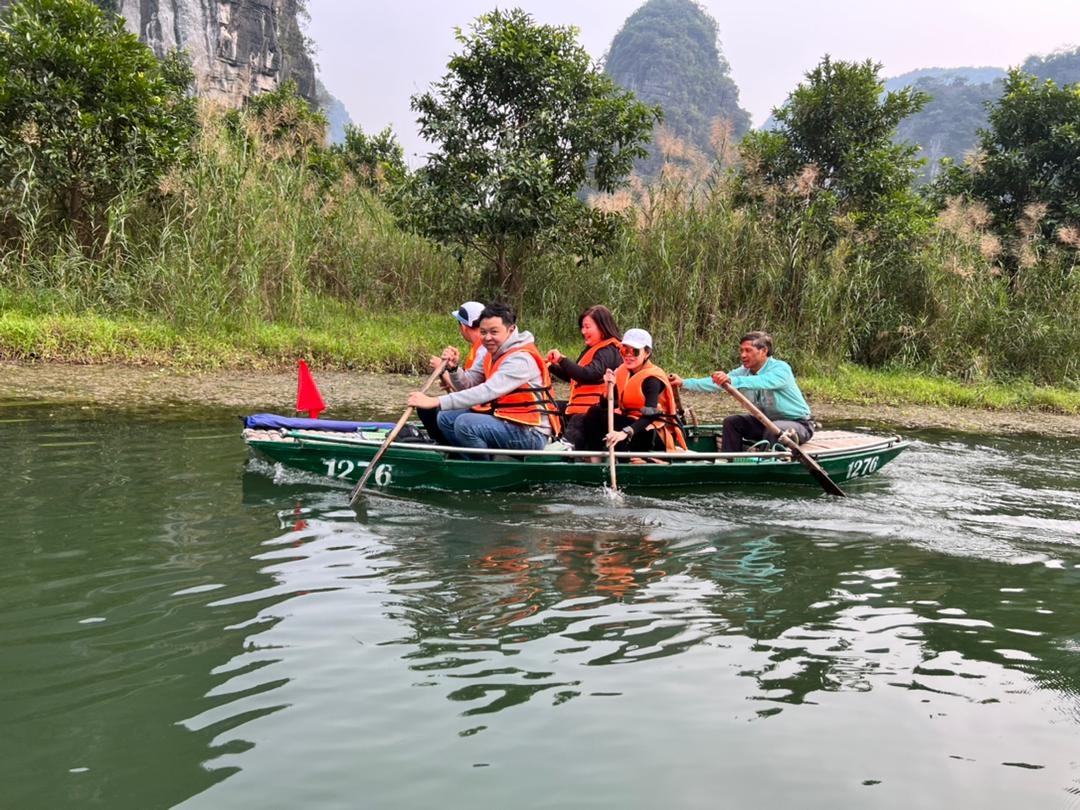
(237, 47)
(948, 126)
(668, 53)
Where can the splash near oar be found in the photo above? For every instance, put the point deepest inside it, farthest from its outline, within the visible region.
(611, 429)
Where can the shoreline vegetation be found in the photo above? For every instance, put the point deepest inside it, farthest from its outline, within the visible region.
(400, 343)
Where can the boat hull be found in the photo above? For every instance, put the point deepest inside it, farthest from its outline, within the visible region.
(413, 466)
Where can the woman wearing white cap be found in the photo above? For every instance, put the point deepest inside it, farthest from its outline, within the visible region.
(645, 413)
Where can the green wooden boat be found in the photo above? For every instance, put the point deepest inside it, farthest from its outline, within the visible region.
(416, 465)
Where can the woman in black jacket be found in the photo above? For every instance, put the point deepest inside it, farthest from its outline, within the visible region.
(586, 376)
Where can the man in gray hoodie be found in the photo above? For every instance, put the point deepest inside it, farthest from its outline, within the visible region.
(507, 403)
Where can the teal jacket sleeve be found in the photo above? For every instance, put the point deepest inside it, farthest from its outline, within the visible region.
(773, 375)
(702, 384)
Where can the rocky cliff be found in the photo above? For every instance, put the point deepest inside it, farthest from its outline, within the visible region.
(237, 47)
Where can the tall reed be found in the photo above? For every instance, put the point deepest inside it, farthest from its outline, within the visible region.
(270, 249)
(239, 233)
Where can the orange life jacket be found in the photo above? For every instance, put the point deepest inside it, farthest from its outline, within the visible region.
(585, 395)
(470, 358)
(632, 403)
(526, 404)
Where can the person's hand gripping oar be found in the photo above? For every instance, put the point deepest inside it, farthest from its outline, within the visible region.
(612, 438)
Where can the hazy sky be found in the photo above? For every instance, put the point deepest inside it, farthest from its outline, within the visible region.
(374, 55)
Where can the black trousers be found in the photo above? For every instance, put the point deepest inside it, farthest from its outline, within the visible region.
(742, 428)
(428, 418)
(595, 428)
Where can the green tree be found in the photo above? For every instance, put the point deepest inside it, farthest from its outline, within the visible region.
(520, 124)
(377, 161)
(830, 174)
(1027, 172)
(667, 53)
(85, 112)
(840, 123)
(282, 118)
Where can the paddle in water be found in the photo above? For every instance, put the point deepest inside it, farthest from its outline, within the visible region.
(392, 435)
(811, 464)
(611, 429)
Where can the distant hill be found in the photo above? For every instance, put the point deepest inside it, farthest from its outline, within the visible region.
(1062, 67)
(969, 75)
(948, 125)
(668, 53)
(335, 112)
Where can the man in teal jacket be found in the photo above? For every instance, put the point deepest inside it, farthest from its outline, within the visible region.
(768, 383)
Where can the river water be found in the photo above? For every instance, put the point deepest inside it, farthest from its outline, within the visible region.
(181, 627)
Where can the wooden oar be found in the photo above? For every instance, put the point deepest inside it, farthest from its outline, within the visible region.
(687, 416)
(392, 435)
(811, 464)
(610, 429)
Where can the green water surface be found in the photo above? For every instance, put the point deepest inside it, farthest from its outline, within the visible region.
(182, 628)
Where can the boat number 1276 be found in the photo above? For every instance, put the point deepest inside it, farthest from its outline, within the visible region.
(343, 468)
(862, 466)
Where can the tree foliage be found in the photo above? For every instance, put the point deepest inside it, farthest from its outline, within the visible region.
(667, 53)
(377, 161)
(830, 173)
(840, 123)
(521, 122)
(282, 118)
(1027, 172)
(85, 112)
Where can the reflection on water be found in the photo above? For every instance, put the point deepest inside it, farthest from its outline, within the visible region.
(182, 628)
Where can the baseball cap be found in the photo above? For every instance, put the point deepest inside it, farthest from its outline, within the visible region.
(468, 314)
(637, 339)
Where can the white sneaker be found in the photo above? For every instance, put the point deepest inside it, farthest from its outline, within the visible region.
(559, 446)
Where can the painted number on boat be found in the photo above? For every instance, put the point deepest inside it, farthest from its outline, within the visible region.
(339, 467)
(343, 468)
(862, 466)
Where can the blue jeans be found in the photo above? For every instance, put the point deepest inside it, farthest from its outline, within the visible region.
(471, 429)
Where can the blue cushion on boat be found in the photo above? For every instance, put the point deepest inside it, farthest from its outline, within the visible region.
(273, 421)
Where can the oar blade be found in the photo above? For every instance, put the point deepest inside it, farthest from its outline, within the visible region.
(815, 469)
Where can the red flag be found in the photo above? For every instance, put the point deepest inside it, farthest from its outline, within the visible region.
(308, 397)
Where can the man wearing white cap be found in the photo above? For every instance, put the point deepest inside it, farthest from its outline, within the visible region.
(506, 404)
(468, 319)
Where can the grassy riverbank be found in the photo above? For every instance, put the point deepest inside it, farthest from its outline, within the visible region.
(401, 342)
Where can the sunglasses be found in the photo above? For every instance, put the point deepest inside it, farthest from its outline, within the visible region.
(629, 351)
